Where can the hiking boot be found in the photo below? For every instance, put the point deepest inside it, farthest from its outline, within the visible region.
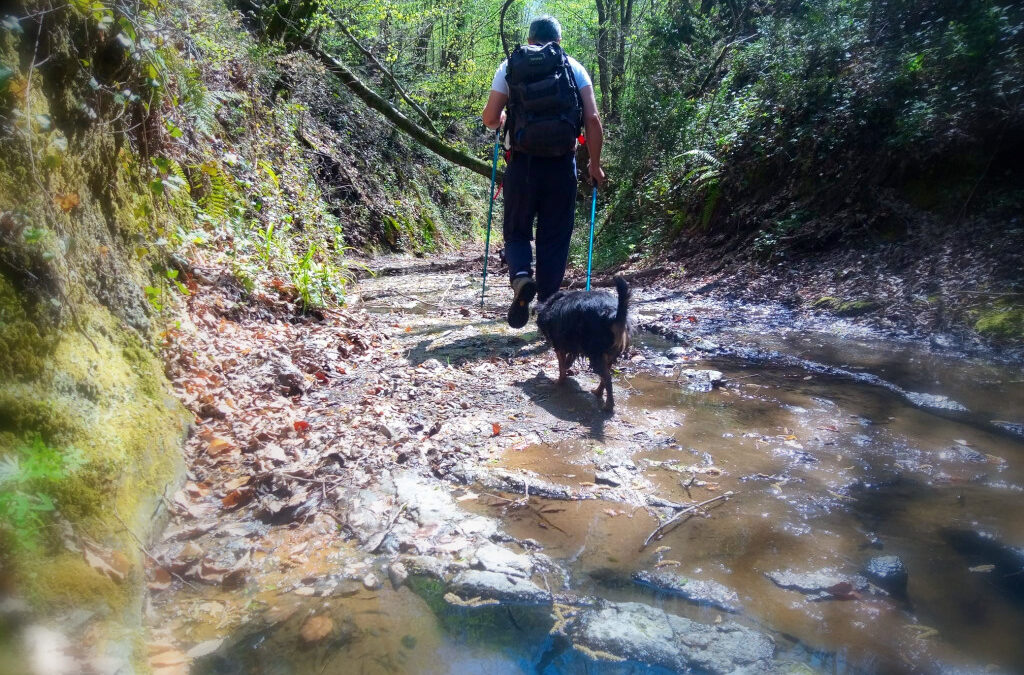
(524, 288)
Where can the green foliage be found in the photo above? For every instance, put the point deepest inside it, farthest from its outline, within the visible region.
(28, 478)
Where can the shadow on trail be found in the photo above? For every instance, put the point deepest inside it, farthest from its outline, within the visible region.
(569, 402)
(480, 347)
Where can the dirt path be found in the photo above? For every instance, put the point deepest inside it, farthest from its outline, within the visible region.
(401, 487)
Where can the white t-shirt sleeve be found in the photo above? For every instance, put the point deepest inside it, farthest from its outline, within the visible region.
(500, 85)
(582, 76)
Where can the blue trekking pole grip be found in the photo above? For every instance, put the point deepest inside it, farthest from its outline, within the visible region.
(490, 212)
(590, 251)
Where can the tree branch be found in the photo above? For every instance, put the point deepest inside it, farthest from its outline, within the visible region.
(391, 78)
(381, 105)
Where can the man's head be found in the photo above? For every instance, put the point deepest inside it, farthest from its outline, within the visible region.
(545, 29)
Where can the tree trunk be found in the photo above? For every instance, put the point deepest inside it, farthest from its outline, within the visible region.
(603, 57)
(378, 103)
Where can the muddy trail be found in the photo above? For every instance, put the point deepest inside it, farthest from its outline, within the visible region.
(401, 487)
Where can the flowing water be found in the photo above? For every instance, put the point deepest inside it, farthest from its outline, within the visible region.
(827, 472)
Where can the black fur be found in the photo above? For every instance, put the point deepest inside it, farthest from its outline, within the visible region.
(593, 324)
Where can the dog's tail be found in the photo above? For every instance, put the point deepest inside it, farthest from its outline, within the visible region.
(620, 326)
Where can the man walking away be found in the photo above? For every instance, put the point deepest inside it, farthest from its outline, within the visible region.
(549, 96)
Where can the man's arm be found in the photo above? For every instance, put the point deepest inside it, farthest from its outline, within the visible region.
(594, 133)
(494, 111)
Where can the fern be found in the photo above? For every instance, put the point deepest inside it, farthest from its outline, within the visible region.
(216, 198)
(196, 103)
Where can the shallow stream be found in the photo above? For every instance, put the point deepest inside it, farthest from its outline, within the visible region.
(827, 472)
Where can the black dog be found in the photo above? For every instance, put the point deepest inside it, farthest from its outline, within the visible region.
(591, 324)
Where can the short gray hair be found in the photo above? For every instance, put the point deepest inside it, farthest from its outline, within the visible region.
(545, 29)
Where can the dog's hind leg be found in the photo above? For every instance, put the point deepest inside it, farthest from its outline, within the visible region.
(563, 366)
(606, 383)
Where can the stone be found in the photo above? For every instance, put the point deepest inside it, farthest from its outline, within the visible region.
(637, 632)
(697, 591)
(702, 380)
(371, 581)
(820, 585)
(677, 352)
(494, 558)
(607, 478)
(501, 587)
(888, 573)
(935, 401)
(290, 378)
(1016, 428)
(397, 573)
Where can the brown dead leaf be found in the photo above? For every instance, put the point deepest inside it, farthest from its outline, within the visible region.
(237, 498)
(161, 580)
(218, 445)
(301, 426)
(168, 658)
(316, 628)
(495, 428)
(236, 483)
(112, 564)
(66, 201)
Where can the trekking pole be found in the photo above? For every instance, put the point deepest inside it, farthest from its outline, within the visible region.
(590, 251)
(490, 212)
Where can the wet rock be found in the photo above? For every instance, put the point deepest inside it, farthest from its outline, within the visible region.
(493, 558)
(888, 573)
(607, 478)
(820, 585)
(501, 587)
(641, 633)
(425, 566)
(935, 401)
(701, 380)
(1016, 428)
(984, 548)
(290, 378)
(371, 582)
(697, 591)
(961, 453)
(677, 353)
(397, 573)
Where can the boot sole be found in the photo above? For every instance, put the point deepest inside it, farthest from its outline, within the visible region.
(519, 311)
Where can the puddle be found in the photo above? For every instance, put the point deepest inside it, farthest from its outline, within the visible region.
(828, 473)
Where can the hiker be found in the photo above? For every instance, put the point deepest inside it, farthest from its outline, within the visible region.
(546, 111)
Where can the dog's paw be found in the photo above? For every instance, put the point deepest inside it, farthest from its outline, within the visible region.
(597, 392)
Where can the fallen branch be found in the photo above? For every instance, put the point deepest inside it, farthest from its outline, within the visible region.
(686, 511)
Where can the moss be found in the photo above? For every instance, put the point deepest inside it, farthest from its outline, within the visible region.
(1001, 322)
(66, 580)
(841, 307)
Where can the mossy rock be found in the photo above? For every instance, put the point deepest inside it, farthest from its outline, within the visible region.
(1003, 322)
(841, 307)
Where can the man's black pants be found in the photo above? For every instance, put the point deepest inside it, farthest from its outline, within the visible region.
(543, 188)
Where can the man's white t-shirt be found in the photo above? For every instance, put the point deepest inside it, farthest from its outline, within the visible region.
(582, 76)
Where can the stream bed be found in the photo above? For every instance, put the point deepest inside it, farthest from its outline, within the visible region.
(863, 507)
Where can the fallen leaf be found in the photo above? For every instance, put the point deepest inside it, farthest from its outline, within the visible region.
(112, 564)
(843, 591)
(301, 426)
(237, 498)
(495, 428)
(691, 319)
(236, 483)
(66, 202)
(161, 580)
(316, 628)
(981, 568)
(218, 445)
(667, 563)
(168, 658)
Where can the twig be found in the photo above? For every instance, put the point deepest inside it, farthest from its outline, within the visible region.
(445, 294)
(142, 548)
(689, 509)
